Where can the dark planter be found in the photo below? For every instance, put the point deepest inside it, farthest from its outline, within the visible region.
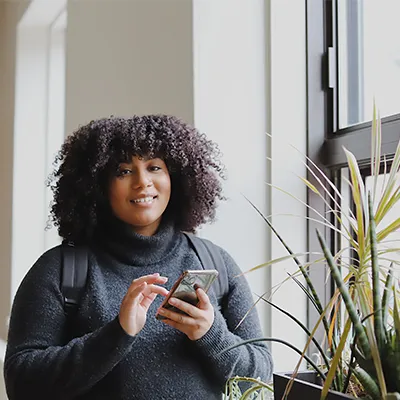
(305, 386)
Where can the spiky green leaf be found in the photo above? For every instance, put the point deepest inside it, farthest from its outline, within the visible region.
(379, 331)
(335, 361)
(386, 295)
(351, 309)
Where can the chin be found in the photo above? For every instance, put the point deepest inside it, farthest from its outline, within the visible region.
(143, 224)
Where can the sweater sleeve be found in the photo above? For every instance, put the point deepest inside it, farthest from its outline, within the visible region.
(39, 363)
(251, 360)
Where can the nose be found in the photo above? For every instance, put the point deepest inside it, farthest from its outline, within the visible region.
(142, 179)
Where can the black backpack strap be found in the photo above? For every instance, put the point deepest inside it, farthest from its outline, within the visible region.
(210, 258)
(74, 275)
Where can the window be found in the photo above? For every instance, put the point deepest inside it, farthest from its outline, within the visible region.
(368, 59)
(55, 130)
(38, 128)
(349, 64)
(393, 239)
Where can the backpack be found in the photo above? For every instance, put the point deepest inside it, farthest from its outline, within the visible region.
(75, 269)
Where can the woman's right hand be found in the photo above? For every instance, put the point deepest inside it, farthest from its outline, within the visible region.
(136, 302)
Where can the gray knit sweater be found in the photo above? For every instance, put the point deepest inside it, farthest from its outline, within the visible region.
(90, 356)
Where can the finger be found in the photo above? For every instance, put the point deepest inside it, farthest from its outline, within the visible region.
(155, 289)
(150, 279)
(187, 308)
(135, 296)
(179, 318)
(204, 300)
(146, 302)
(153, 278)
(173, 324)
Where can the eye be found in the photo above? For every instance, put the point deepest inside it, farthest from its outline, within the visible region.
(123, 171)
(154, 168)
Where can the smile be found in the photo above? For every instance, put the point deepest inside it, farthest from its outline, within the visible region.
(146, 200)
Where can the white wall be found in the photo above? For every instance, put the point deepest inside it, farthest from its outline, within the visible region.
(6, 112)
(55, 128)
(10, 13)
(230, 107)
(128, 57)
(287, 116)
(249, 76)
(29, 151)
(31, 135)
(23, 87)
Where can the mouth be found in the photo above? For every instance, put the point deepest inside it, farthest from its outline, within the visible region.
(143, 200)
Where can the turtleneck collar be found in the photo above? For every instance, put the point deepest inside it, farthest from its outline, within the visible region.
(129, 247)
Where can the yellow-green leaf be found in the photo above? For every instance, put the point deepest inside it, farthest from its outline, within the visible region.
(338, 355)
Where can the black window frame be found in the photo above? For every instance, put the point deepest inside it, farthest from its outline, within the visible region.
(325, 140)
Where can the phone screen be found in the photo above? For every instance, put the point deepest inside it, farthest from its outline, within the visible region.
(185, 288)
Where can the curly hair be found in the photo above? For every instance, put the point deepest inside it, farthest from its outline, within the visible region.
(91, 155)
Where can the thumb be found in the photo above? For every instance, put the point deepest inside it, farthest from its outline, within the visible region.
(204, 300)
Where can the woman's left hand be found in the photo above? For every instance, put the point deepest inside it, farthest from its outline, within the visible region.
(198, 320)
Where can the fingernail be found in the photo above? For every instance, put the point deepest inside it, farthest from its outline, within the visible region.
(172, 301)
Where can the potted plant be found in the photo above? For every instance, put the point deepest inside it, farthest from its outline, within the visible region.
(256, 389)
(363, 356)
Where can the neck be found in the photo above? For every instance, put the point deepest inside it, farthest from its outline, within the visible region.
(133, 247)
(149, 230)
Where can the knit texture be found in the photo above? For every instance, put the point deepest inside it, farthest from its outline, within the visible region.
(89, 356)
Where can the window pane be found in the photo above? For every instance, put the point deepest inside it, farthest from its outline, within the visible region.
(369, 59)
(392, 241)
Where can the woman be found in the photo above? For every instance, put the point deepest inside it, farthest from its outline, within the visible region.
(127, 189)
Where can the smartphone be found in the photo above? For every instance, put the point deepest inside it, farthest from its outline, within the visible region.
(185, 288)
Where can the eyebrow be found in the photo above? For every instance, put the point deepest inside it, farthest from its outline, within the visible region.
(144, 158)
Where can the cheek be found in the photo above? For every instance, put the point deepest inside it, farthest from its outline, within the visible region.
(167, 187)
(117, 192)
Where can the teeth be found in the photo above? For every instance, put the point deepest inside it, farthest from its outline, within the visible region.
(143, 200)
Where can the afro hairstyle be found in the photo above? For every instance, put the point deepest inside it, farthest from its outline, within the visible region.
(92, 154)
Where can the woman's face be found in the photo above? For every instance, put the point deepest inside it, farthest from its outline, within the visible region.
(139, 193)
